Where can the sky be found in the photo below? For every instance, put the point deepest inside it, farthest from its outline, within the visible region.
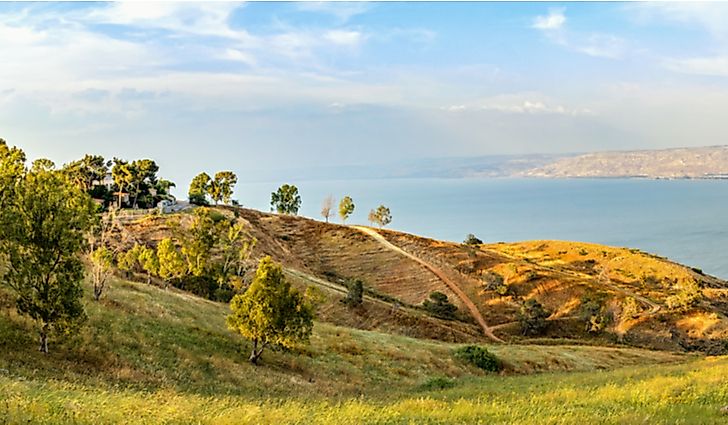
(269, 87)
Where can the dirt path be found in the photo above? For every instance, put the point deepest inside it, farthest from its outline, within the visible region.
(437, 272)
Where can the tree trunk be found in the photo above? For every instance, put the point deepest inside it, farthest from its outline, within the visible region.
(255, 353)
(44, 339)
(97, 292)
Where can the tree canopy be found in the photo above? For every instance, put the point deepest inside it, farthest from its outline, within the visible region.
(270, 312)
(380, 216)
(346, 208)
(43, 224)
(286, 200)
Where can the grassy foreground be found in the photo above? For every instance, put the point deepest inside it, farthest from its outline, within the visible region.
(149, 356)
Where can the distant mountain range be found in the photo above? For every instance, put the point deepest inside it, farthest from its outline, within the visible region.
(692, 163)
(680, 163)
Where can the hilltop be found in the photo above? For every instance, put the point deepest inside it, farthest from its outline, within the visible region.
(400, 270)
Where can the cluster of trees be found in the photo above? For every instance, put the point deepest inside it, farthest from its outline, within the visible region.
(346, 208)
(381, 216)
(218, 188)
(209, 259)
(133, 183)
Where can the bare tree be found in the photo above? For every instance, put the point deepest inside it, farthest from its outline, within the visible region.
(100, 255)
(326, 207)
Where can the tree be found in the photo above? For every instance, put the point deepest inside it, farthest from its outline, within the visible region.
(326, 206)
(42, 231)
(381, 216)
(471, 239)
(87, 171)
(198, 242)
(172, 265)
(346, 208)
(439, 306)
(199, 187)
(149, 262)
(532, 317)
(285, 200)
(221, 187)
(143, 176)
(355, 294)
(270, 312)
(123, 176)
(12, 168)
(102, 258)
(43, 164)
(594, 313)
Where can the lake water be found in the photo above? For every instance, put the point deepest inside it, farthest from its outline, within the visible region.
(684, 220)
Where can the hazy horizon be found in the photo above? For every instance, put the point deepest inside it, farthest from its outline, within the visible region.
(259, 87)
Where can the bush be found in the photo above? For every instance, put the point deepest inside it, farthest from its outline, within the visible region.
(438, 383)
(355, 294)
(439, 306)
(593, 312)
(479, 357)
(493, 281)
(533, 318)
(688, 295)
(471, 239)
(630, 308)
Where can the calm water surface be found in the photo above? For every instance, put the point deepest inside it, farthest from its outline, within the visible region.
(684, 220)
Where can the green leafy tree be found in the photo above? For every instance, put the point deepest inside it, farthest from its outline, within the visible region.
(471, 239)
(123, 175)
(12, 169)
(42, 164)
(149, 262)
(270, 312)
(221, 187)
(172, 265)
(143, 176)
(380, 216)
(532, 318)
(87, 171)
(327, 207)
(346, 208)
(286, 200)
(355, 293)
(42, 231)
(439, 306)
(198, 242)
(199, 188)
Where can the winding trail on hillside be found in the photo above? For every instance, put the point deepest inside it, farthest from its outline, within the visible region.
(440, 275)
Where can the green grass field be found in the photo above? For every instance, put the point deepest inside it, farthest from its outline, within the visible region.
(151, 356)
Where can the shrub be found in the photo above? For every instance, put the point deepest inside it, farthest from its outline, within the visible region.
(493, 281)
(479, 357)
(355, 294)
(533, 318)
(438, 383)
(439, 306)
(688, 295)
(471, 239)
(593, 312)
(630, 308)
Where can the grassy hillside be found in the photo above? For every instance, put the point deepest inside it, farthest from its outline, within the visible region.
(148, 356)
(557, 274)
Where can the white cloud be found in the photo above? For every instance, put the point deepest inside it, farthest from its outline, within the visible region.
(344, 37)
(553, 21)
(343, 11)
(711, 66)
(592, 44)
(519, 104)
